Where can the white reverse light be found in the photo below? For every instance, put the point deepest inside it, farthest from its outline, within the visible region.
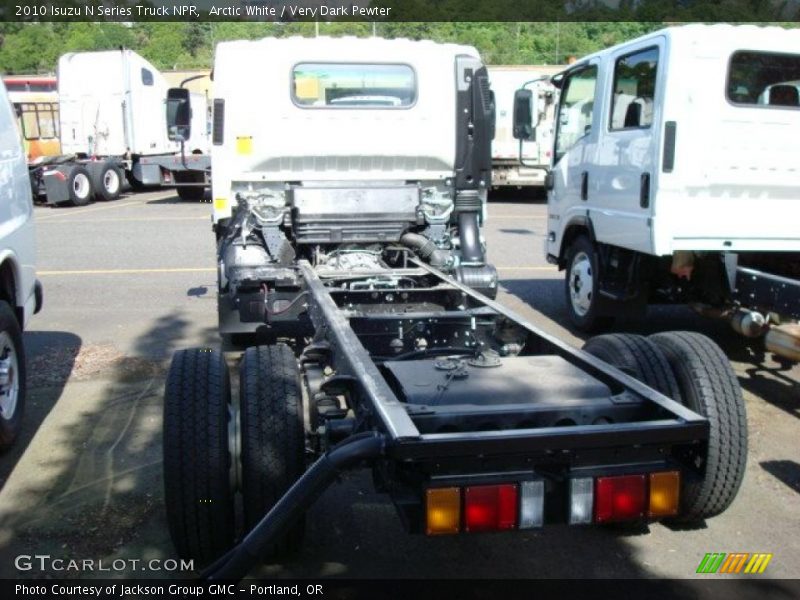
(581, 492)
(531, 507)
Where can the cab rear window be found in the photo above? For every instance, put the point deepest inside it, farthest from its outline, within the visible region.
(764, 79)
(329, 85)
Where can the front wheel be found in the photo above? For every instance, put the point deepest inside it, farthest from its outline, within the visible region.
(12, 376)
(198, 486)
(709, 387)
(582, 285)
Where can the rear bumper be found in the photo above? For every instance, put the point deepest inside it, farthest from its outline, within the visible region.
(518, 176)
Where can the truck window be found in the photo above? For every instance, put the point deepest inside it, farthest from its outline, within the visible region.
(576, 108)
(48, 121)
(634, 90)
(764, 79)
(326, 85)
(147, 76)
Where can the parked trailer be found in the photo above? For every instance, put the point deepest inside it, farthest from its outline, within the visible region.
(526, 165)
(675, 179)
(111, 111)
(35, 101)
(348, 217)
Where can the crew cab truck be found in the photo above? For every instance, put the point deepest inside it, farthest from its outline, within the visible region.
(111, 113)
(349, 184)
(20, 292)
(675, 179)
(525, 166)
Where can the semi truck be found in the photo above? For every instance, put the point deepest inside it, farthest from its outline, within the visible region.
(349, 195)
(523, 163)
(674, 179)
(111, 117)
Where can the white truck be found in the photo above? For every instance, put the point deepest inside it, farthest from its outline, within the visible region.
(675, 179)
(522, 163)
(20, 291)
(349, 187)
(111, 111)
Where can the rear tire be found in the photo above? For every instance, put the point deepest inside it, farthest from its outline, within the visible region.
(708, 386)
(637, 356)
(582, 284)
(109, 184)
(197, 463)
(79, 187)
(273, 440)
(12, 376)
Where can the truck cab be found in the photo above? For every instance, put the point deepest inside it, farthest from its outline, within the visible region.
(347, 162)
(674, 168)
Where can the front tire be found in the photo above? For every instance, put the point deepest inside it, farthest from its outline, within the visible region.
(582, 284)
(79, 186)
(272, 433)
(197, 462)
(709, 387)
(12, 376)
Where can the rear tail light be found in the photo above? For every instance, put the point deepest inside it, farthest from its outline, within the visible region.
(490, 507)
(443, 510)
(521, 506)
(531, 504)
(664, 494)
(620, 498)
(581, 500)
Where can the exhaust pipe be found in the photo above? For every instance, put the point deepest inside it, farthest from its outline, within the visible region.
(784, 340)
(235, 564)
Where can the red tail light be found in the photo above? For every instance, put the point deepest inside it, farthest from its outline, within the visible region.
(490, 507)
(620, 498)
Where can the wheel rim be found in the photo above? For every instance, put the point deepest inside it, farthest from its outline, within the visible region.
(581, 284)
(111, 181)
(9, 380)
(81, 185)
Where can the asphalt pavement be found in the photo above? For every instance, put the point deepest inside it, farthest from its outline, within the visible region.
(128, 282)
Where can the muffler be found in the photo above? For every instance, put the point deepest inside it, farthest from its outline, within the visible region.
(784, 340)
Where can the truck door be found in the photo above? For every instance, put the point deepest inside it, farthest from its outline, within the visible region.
(575, 148)
(621, 203)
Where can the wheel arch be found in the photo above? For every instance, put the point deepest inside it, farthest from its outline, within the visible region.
(10, 290)
(577, 225)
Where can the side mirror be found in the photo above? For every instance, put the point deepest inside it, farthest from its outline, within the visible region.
(523, 119)
(179, 115)
(549, 181)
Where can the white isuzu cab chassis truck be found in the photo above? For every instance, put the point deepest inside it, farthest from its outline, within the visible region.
(349, 189)
(676, 179)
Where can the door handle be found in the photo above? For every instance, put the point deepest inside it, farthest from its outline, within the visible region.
(644, 190)
(585, 185)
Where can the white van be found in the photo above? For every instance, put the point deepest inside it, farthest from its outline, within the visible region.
(20, 292)
(676, 178)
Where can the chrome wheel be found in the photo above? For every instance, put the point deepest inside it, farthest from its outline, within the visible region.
(581, 283)
(81, 186)
(111, 181)
(9, 377)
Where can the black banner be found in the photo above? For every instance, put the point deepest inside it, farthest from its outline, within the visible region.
(398, 10)
(755, 588)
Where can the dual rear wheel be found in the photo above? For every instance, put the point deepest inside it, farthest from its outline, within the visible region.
(206, 463)
(691, 369)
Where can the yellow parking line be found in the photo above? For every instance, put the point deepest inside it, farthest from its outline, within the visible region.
(127, 271)
(68, 212)
(138, 219)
